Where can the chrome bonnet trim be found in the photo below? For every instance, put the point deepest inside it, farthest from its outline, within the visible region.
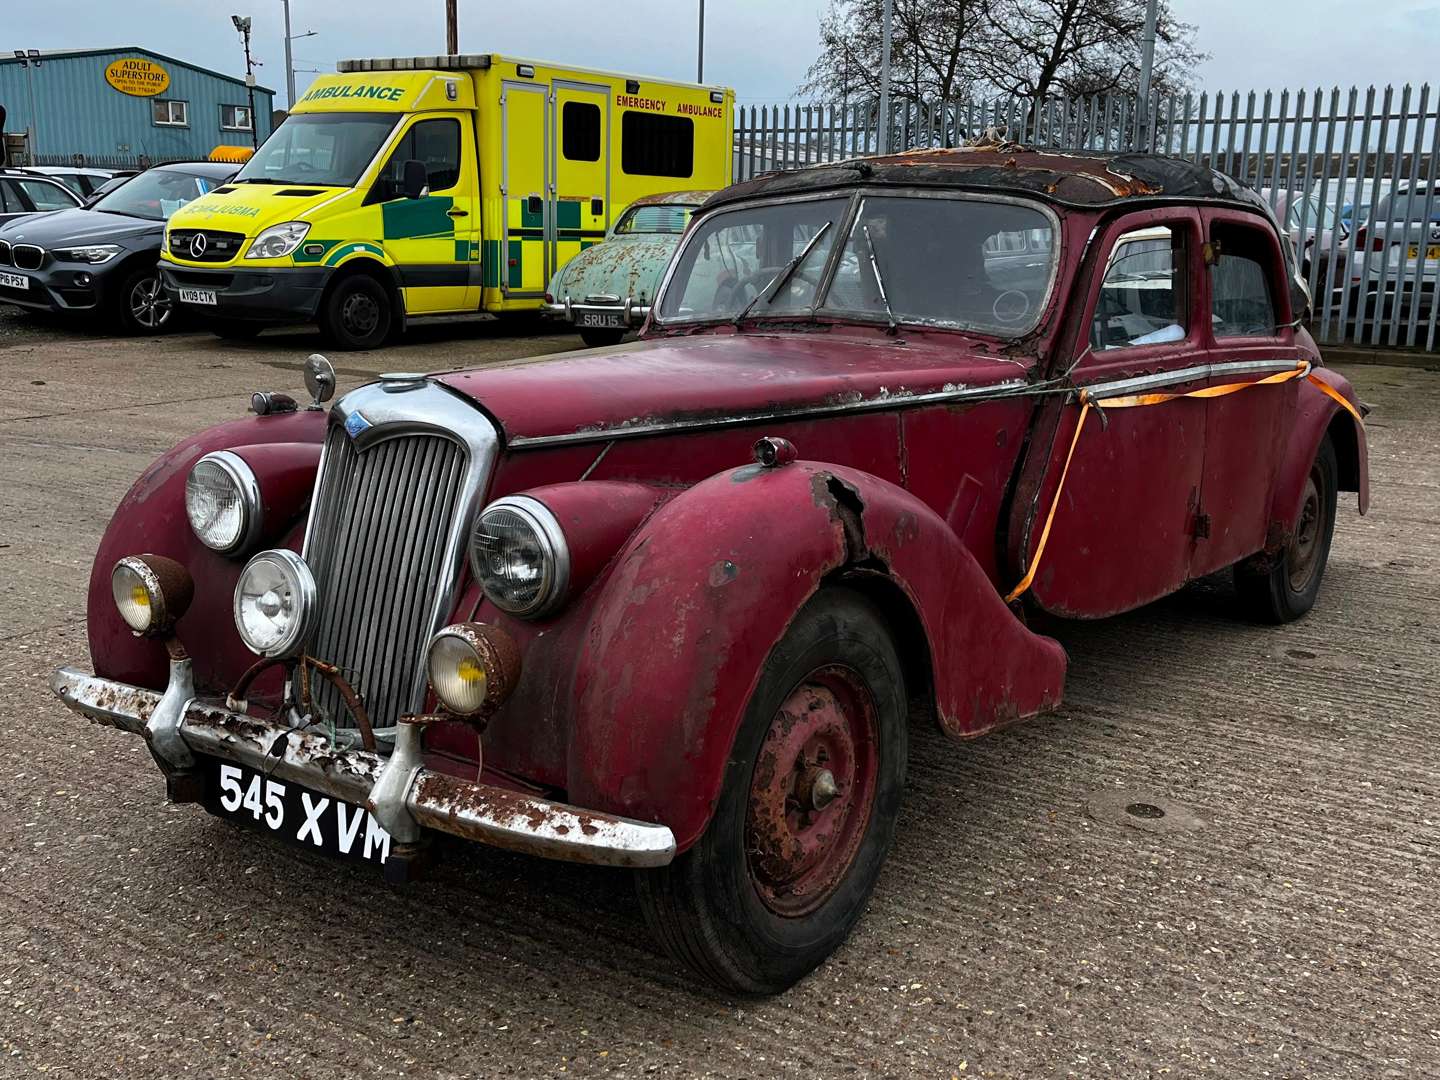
(394, 408)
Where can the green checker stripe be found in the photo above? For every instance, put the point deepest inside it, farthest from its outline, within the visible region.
(360, 248)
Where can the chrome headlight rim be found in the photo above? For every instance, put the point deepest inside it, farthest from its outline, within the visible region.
(494, 653)
(553, 546)
(168, 591)
(307, 607)
(248, 486)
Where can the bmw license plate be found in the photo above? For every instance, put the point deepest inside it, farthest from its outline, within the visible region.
(602, 320)
(1431, 252)
(197, 296)
(15, 281)
(295, 813)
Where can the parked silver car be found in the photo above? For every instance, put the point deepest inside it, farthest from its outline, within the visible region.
(1401, 248)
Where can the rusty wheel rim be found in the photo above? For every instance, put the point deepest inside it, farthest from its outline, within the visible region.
(812, 791)
(1304, 554)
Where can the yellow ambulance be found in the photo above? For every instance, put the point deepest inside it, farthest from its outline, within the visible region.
(435, 185)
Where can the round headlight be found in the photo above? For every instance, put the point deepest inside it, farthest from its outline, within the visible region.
(519, 557)
(472, 667)
(151, 592)
(222, 500)
(275, 603)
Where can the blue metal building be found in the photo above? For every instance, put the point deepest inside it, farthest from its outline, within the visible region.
(116, 106)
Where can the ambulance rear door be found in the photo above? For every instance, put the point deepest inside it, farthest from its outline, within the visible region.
(580, 150)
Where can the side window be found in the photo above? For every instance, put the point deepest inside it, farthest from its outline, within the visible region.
(1144, 296)
(434, 142)
(655, 145)
(47, 196)
(580, 131)
(168, 113)
(1242, 294)
(9, 201)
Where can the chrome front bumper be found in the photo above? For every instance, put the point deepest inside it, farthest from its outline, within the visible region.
(403, 794)
(631, 313)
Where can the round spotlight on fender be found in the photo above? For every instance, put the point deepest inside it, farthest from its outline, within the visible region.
(275, 603)
(151, 592)
(473, 668)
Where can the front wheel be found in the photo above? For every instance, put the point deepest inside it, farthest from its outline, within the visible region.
(1283, 588)
(357, 314)
(807, 811)
(143, 306)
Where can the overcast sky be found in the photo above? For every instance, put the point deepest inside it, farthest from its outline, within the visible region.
(760, 47)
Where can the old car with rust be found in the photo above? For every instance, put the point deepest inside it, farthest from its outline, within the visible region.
(606, 290)
(671, 606)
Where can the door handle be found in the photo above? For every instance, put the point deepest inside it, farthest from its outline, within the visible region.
(456, 212)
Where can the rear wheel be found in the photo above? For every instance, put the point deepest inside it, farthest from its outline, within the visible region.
(807, 812)
(357, 314)
(1284, 588)
(596, 338)
(142, 305)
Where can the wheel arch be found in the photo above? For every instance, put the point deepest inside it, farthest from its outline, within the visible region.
(370, 266)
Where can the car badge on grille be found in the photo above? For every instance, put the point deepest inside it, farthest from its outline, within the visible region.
(355, 423)
(197, 245)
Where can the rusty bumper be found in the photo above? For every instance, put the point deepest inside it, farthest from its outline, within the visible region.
(632, 313)
(403, 794)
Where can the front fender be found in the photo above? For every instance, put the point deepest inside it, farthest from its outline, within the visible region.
(707, 586)
(282, 450)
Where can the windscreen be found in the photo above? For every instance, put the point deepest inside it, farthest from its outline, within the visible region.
(328, 149)
(950, 262)
(155, 194)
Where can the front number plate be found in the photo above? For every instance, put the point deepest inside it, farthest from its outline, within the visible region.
(197, 296)
(601, 320)
(299, 815)
(15, 281)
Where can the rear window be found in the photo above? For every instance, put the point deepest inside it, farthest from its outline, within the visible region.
(653, 145)
(670, 220)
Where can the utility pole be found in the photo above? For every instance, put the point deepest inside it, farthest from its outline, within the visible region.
(243, 25)
(289, 60)
(29, 60)
(452, 28)
(700, 59)
(1147, 64)
(885, 21)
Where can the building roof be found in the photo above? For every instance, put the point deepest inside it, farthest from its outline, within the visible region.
(61, 54)
(1070, 178)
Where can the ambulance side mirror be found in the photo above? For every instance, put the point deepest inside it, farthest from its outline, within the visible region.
(412, 179)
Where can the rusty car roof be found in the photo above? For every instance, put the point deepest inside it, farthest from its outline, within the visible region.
(667, 198)
(1068, 178)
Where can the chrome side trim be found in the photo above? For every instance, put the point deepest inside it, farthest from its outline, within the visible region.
(898, 399)
(1119, 387)
(473, 811)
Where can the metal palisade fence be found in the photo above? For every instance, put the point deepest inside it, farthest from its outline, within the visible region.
(1353, 175)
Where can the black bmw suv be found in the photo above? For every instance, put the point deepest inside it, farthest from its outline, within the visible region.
(100, 259)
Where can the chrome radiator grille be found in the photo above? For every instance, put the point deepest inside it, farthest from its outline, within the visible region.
(378, 549)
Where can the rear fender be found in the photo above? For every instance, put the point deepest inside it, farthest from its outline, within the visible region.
(707, 586)
(1317, 415)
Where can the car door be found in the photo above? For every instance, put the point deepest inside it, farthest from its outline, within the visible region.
(1249, 339)
(1123, 529)
(433, 239)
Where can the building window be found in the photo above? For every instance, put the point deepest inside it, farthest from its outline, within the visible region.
(234, 118)
(652, 145)
(171, 113)
(580, 131)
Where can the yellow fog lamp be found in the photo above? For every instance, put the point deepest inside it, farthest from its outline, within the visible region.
(151, 592)
(473, 668)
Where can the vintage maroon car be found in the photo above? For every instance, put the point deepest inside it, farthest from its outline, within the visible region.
(670, 605)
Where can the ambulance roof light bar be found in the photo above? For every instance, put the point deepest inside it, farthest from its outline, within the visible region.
(459, 62)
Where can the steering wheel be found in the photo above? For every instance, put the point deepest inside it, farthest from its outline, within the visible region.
(1010, 306)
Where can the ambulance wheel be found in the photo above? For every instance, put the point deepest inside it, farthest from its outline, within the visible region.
(358, 313)
(806, 812)
(596, 338)
(1281, 589)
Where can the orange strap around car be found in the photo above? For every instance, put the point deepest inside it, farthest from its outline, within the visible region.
(1301, 369)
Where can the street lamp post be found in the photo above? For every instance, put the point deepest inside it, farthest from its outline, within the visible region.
(1147, 66)
(700, 56)
(29, 59)
(883, 134)
(290, 60)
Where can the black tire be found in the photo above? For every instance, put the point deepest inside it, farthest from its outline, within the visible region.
(358, 313)
(717, 908)
(141, 305)
(596, 338)
(1282, 588)
(235, 330)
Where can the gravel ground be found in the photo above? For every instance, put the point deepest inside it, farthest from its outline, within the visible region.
(1280, 921)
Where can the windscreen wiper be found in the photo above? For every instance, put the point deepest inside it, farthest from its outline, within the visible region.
(879, 281)
(263, 180)
(775, 284)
